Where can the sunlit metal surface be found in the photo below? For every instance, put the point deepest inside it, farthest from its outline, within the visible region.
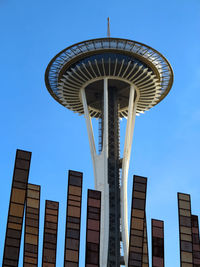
(83, 63)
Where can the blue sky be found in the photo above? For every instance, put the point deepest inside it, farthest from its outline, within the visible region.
(166, 139)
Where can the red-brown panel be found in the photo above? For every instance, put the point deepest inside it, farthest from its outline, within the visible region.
(50, 234)
(195, 241)
(145, 261)
(31, 237)
(137, 231)
(93, 229)
(73, 219)
(185, 230)
(157, 227)
(16, 208)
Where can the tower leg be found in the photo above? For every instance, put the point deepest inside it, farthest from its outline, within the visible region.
(100, 167)
(125, 167)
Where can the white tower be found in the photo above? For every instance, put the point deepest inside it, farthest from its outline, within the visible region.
(109, 79)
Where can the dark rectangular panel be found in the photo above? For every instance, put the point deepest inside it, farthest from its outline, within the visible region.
(93, 229)
(73, 219)
(195, 241)
(31, 236)
(145, 261)
(16, 208)
(50, 234)
(136, 241)
(185, 230)
(157, 227)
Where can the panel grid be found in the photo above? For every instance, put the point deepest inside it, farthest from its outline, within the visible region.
(73, 219)
(157, 243)
(137, 231)
(185, 230)
(31, 237)
(195, 241)
(145, 260)
(93, 229)
(16, 209)
(50, 234)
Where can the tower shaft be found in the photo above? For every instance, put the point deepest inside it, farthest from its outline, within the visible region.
(106, 172)
(113, 179)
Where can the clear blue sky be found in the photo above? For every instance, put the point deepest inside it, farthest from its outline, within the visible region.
(166, 139)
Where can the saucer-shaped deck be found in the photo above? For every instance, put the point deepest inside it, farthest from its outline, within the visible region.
(123, 62)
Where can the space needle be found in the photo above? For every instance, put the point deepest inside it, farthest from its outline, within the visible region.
(110, 79)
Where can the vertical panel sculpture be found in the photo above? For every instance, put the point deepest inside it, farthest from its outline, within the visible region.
(195, 241)
(92, 258)
(50, 234)
(185, 230)
(145, 260)
(31, 237)
(73, 219)
(16, 208)
(157, 243)
(136, 242)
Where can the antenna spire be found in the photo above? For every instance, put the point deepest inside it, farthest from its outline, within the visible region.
(108, 28)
